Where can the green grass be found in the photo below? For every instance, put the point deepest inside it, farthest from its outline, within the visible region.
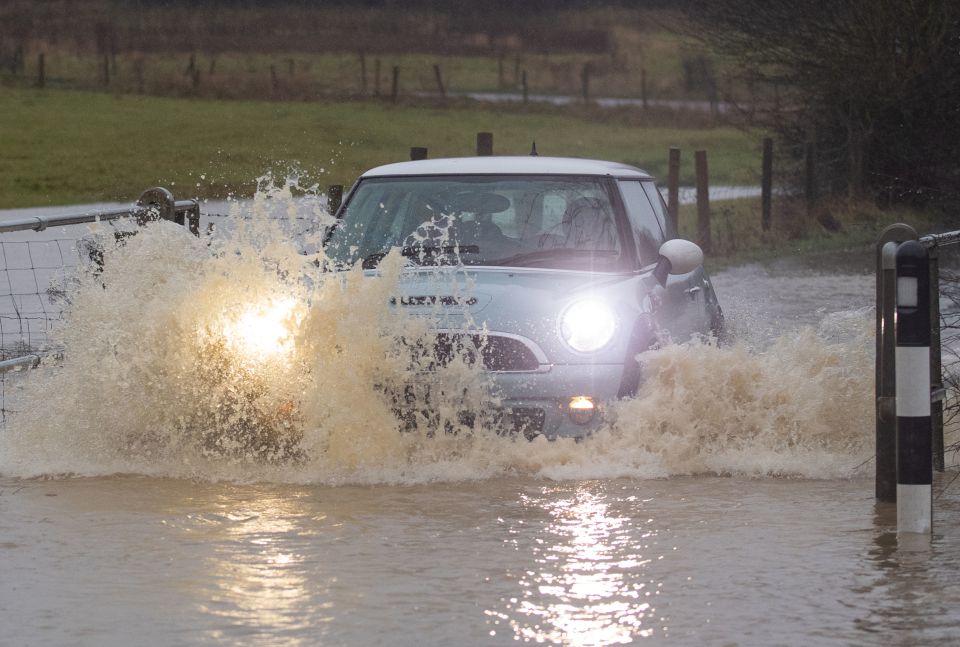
(838, 224)
(62, 146)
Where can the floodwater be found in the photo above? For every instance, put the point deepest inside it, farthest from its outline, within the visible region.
(730, 503)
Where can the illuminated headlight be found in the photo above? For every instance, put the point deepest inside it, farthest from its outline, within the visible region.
(587, 326)
(263, 331)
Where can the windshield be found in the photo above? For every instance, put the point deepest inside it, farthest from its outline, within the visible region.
(534, 221)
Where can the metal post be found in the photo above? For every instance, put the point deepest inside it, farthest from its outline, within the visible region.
(885, 376)
(163, 200)
(193, 219)
(673, 190)
(936, 368)
(914, 438)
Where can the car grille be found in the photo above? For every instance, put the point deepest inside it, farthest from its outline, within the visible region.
(497, 353)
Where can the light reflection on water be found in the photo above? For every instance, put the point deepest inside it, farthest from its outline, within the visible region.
(586, 588)
(258, 575)
(690, 561)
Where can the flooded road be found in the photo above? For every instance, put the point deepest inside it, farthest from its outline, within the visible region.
(731, 504)
(687, 561)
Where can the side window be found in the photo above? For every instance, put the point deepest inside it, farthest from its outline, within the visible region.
(646, 227)
(658, 207)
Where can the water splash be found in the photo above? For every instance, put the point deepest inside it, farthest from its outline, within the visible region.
(156, 378)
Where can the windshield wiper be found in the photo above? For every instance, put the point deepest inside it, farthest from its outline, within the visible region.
(370, 261)
(532, 258)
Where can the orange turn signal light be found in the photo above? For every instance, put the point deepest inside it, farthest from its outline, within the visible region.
(581, 409)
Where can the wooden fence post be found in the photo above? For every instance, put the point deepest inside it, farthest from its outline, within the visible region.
(766, 184)
(363, 72)
(439, 77)
(105, 70)
(274, 81)
(41, 71)
(19, 64)
(855, 153)
(585, 83)
(376, 77)
(334, 198)
(703, 202)
(673, 190)
(418, 153)
(526, 95)
(138, 72)
(643, 87)
(500, 80)
(484, 144)
(810, 177)
(714, 99)
(395, 85)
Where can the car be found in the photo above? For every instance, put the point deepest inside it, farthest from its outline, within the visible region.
(571, 265)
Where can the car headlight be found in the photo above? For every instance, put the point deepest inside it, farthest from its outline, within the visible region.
(263, 331)
(587, 326)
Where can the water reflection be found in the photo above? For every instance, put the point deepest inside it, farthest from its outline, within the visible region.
(588, 585)
(262, 585)
(911, 589)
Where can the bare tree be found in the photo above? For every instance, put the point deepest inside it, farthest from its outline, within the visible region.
(878, 78)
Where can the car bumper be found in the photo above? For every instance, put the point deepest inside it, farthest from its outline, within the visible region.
(541, 399)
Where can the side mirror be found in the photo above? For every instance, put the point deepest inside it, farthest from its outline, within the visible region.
(677, 256)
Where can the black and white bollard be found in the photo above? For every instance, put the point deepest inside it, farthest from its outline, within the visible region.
(914, 433)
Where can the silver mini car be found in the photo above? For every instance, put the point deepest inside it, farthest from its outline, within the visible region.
(572, 268)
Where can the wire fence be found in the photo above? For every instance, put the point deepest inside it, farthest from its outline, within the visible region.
(38, 262)
(950, 346)
(32, 292)
(34, 277)
(39, 256)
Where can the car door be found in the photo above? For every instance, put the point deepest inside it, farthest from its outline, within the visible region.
(681, 305)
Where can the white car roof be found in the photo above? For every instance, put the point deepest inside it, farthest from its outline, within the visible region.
(513, 165)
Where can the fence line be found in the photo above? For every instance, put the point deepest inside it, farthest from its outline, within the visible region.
(33, 277)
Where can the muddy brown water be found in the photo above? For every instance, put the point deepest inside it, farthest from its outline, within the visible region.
(751, 535)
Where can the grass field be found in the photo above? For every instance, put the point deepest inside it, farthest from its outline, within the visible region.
(838, 224)
(62, 147)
